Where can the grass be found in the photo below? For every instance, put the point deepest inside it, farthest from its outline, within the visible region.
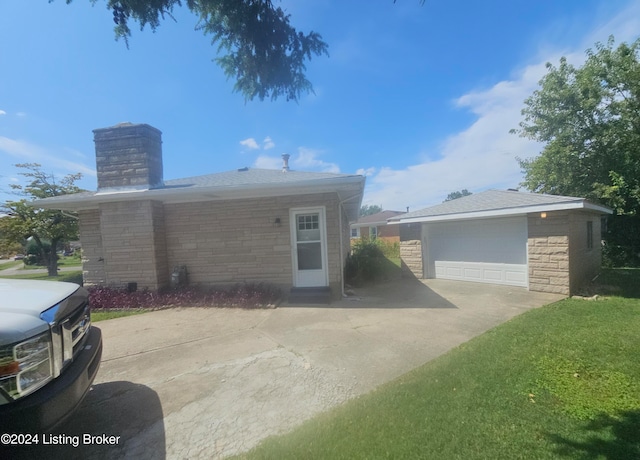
(12, 264)
(74, 276)
(561, 381)
(104, 315)
(624, 282)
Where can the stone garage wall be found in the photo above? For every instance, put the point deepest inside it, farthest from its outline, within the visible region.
(548, 252)
(411, 250)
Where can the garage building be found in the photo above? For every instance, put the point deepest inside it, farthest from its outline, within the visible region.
(540, 242)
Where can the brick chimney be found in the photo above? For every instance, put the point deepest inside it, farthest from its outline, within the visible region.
(128, 157)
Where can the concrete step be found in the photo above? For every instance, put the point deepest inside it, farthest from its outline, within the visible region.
(310, 295)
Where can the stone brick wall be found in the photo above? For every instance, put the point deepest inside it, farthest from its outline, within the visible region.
(411, 258)
(133, 248)
(92, 254)
(226, 242)
(128, 156)
(411, 250)
(220, 242)
(548, 252)
(160, 258)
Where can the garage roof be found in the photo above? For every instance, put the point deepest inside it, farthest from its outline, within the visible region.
(496, 203)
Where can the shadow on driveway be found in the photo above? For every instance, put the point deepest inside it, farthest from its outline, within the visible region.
(395, 294)
(108, 424)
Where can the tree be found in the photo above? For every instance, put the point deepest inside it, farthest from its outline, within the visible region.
(265, 54)
(589, 119)
(26, 221)
(456, 195)
(368, 209)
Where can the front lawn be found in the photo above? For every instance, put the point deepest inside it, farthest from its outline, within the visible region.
(74, 276)
(105, 315)
(11, 264)
(561, 381)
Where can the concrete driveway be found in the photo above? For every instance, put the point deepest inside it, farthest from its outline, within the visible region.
(207, 383)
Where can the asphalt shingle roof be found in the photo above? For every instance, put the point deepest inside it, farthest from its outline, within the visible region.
(491, 200)
(250, 176)
(378, 217)
(240, 183)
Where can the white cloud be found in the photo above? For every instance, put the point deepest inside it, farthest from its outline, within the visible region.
(268, 143)
(484, 154)
(480, 157)
(27, 152)
(267, 162)
(2, 112)
(624, 26)
(368, 172)
(305, 160)
(250, 143)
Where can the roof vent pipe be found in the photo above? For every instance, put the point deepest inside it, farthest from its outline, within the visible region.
(285, 162)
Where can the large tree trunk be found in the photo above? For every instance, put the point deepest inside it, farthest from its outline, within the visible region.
(52, 263)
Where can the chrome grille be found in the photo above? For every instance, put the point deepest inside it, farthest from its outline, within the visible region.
(68, 333)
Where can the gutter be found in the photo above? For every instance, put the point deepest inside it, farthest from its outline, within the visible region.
(181, 194)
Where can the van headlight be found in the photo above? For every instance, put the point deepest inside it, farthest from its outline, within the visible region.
(25, 366)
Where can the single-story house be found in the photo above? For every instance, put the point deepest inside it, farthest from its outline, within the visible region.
(541, 242)
(376, 226)
(283, 227)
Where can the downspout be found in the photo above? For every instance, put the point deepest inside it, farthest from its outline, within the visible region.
(340, 210)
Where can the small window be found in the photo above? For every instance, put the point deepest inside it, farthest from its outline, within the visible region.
(589, 235)
(373, 232)
(355, 233)
(308, 222)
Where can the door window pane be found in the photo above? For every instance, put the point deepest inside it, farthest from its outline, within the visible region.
(309, 256)
(308, 228)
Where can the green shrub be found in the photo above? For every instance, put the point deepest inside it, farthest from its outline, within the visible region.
(31, 259)
(365, 263)
(621, 246)
(390, 249)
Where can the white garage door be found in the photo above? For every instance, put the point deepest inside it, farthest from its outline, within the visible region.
(486, 251)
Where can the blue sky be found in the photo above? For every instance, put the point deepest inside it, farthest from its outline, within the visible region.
(420, 99)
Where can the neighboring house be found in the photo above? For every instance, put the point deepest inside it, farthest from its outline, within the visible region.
(542, 242)
(288, 228)
(375, 226)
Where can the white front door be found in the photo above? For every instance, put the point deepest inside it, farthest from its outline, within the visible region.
(309, 254)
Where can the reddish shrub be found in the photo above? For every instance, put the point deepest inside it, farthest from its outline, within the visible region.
(240, 296)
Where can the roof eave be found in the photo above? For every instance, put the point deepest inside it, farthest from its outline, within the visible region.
(348, 187)
(574, 205)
